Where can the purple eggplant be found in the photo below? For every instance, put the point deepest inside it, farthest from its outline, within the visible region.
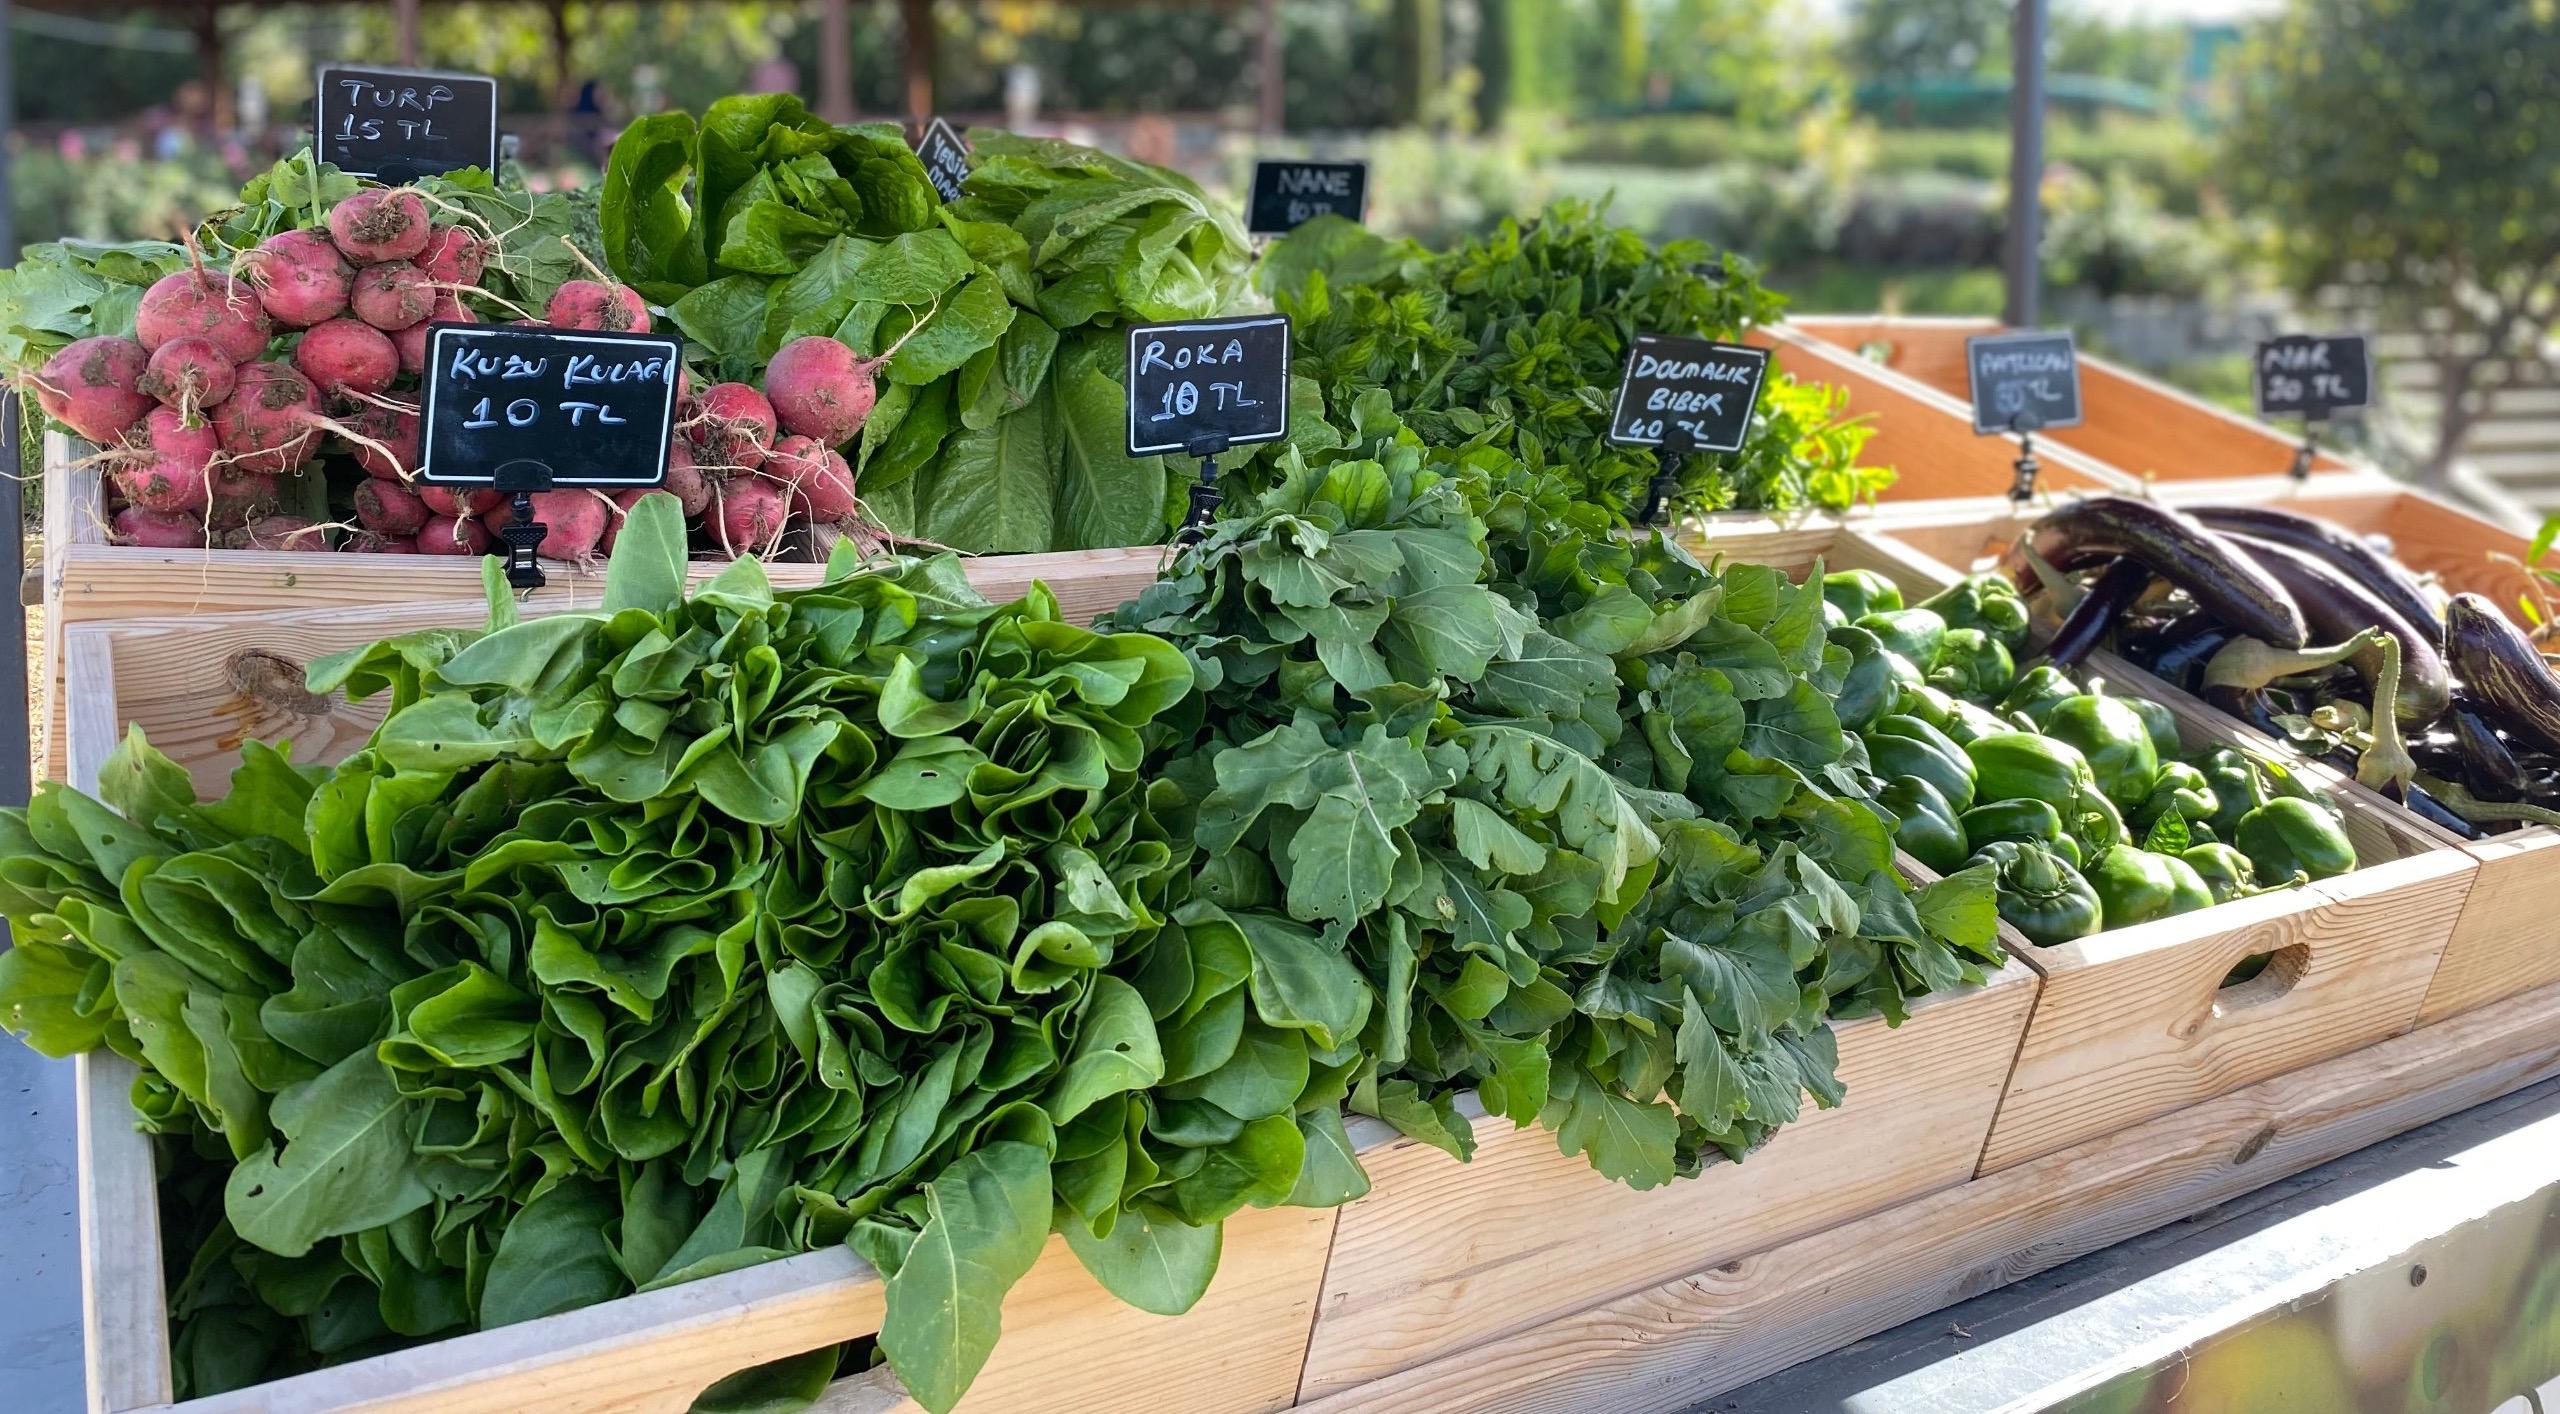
(2224, 582)
(2334, 606)
(2503, 671)
(2381, 576)
(2089, 621)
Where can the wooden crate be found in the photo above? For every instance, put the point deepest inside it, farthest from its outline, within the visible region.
(2134, 427)
(2502, 945)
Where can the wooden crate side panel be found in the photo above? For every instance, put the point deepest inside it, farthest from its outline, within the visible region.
(2508, 938)
(2135, 1023)
(1441, 1257)
(1680, 1344)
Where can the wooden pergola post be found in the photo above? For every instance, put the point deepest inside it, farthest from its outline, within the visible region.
(918, 22)
(407, 11)
(1274, 98)
(563, 94)
(835, 62)
(210, 66)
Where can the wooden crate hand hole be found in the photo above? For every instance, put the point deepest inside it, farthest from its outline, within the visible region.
(2261, 978)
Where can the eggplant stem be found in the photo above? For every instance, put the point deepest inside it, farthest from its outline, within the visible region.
(2065, 590)
(2387, 761)
(2459, 799)
(2252, 663)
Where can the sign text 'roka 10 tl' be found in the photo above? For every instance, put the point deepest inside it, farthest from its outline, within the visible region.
(2023, 383)
(1204, 385)
(945, 158)
(1287, 194)
(526, 410)
(397, 125)
(2312, 377)
(1681, 395)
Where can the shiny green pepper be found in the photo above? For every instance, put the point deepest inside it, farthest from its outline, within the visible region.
(2113, 741)
(2040, 895)
(1972, 665)
(2157, 720)
(2136, 886)
(2092, 819)
(2038, 691)
(2179, 787)
(2237, 789)
(2289, 836)
(1928, 829)
(1927, 703)
(2029, 821)
(2227, 873)
(1914, 633)
(1858, 593)
(1901, 745)
(1869, 689)
(1985, 601)
(2025, 766)
(1966, 722)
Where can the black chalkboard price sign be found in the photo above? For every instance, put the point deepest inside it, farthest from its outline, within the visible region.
(397, 125)
(1205, 385)
(2023, 383)
(2311, 376)
(1287, 195)
(945, 158)
(526, 410)
(1681, 395)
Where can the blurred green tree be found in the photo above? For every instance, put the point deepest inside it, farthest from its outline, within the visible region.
(2413, 146)
(1902, 39)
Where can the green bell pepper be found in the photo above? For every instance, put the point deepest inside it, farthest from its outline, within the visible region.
(2092, 819)
(2237, 789)
(1869, 690)
(1914, 633)
(1928, 830)
(1972, 665)
(2112, 739)
(2038, 691)
(2179, 787)
(2040, 895)
(2027, 821)
(2136, 886)
(2289, 836)
(2162, 726)
(1966, 722)
(1858, 593)
(2025, 766)
(2227, 873)
(1901, 745)
(1985, 601)
(1925, 702)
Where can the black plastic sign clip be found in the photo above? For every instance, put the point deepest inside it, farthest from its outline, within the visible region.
(1203, 386)
(945, 158)
(2311, 376)
(524, 410)
(2023, 384)
(397, 125)
(1289, 194)
(1682, 396)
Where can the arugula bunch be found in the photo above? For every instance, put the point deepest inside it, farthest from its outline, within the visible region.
(1600, 852)
(1516, 340)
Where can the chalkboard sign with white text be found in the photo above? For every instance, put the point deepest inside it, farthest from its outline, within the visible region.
(2312, 375)
(1208, 384)
(397, 125)
(2023, 382)
(1287, 195)
(1687, 395)
(534, 409)
(945, 158)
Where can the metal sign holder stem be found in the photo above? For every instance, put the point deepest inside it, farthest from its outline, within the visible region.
(1670, 459)
(522, 533)
(2023, 489)
(2302, 455)
(1204, 492)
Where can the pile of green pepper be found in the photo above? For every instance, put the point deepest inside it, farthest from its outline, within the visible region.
(2085, 803)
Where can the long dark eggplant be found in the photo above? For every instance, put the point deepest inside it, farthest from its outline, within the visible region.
(2334, 606)
(2222, 581)
(2089, 621)
(2348, 554)
(2503, 670)
(2487, 764)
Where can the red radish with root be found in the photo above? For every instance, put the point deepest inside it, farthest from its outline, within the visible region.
(572, 522)
(188, 374)
(241, 496)
(379, 224)
(454, 256)
(277, 532)
(169, 465)
(820, 480)
(300, 277)
(347, 356)
(445, 503)
(204, 304)
(412, 341)
(751, 513)
(93, 386)
(591, 304)
(158, 530)
(368, 543)
(393, 295)
(394, 430)
(686, 482)
(731, 427)
(272, 421)
(389, 508)
(444, 535)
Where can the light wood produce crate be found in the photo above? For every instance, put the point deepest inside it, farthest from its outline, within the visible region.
(2504, 943)
(1303, 1298)
(2134, 428)
(2134, 1022)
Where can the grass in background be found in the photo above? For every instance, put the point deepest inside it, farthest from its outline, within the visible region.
(1864, 289)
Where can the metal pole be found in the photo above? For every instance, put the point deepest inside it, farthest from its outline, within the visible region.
(2026, 165)
(409, 50)
(1274, 99)
(835, 63)
(918, 17)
